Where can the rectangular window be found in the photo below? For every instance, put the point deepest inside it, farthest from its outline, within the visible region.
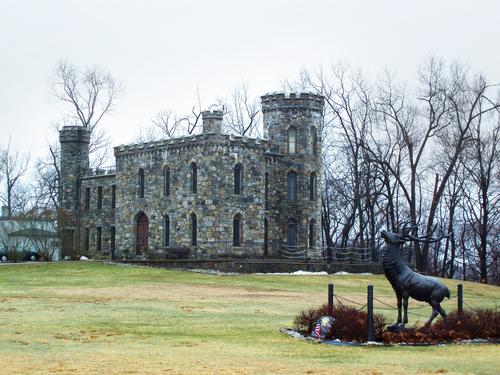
(113, 196)
(112, 241)
(166, 231)
(266, 190)
(292, 186)
(98, 239)
(166, 182)
(141, 183)
(87, 198)
(87, 239)
(99, 197)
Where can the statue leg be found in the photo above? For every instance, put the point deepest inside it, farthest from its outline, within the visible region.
(435, 310)
(405, 306)
(442, 313)
(400, 302)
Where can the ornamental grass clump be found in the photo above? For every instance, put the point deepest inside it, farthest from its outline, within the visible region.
(349, 324)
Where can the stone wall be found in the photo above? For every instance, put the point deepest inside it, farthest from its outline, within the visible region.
(215, 204)
(94, 217)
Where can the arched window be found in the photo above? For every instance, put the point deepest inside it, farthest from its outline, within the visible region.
(238, 174)
(194, 178)
(292, 186)
(166, 181)
(141, 182)
(314, 141)
(237, 230)
(312, 186)
(292, 233)
(292, 140)
(312, 233)
(166, 230)
(194, 230)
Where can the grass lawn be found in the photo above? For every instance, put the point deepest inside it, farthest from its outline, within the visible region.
(101, 318)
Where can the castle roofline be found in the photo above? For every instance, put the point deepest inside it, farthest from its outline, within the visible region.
(193, 139)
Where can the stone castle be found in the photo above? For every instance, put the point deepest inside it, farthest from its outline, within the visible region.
(209, 194)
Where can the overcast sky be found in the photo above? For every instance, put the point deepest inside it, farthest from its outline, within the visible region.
(162, 51)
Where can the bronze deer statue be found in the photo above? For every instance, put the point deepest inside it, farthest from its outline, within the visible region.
(407, 283)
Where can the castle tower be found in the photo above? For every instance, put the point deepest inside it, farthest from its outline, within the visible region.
(292, 124)
(212, 121)
(74, 163)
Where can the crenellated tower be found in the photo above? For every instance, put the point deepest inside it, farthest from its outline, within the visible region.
(292, 124)
(74, 164)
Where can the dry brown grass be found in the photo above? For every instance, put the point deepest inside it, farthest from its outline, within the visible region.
(101, 319)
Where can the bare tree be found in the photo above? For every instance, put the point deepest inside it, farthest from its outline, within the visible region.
(46, 180)
(242, 114)
(90, 95)
(13, 166)
(482, 194)
(170, 124)
(167, 122)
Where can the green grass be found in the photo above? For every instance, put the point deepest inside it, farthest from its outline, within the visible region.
(99, 318)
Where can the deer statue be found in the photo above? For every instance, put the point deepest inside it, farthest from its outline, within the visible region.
(407, 283)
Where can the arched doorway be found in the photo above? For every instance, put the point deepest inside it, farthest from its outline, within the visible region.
(141, 239)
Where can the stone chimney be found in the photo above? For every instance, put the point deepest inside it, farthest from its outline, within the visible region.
(212, 121)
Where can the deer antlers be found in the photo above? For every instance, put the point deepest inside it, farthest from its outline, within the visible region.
(405, 234)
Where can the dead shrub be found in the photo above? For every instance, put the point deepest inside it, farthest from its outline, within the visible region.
(349, 325)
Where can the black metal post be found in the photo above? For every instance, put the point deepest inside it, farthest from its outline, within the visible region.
(330, 299)
(369, 305)
(460, 298)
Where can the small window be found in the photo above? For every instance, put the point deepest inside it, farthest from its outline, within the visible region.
(292, 233)
(312, 233)
(194, 178)
(113, 196)
(87, 198)
(292, 140)
(166, 230)
(99, 197)
(314, 141)
(237, 230)
(141, 183)
(292, 186)
(194, 230)
(166, 181)
(87, 239)
(237, 178)
(312, 186)
(112, 241)
(98, 239)
(266, 190)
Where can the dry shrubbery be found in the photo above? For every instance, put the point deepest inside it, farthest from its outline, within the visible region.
(350, 325)
(477, 324)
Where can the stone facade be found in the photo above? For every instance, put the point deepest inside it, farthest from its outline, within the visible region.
(215, 193)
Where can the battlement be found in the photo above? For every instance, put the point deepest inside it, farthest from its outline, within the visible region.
(74, 134)
(299, 100)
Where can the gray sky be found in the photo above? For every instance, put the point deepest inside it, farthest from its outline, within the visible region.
(162, 51)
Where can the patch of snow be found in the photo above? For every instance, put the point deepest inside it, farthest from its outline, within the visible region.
(296, 273)
(83, 257)
(343, 273)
